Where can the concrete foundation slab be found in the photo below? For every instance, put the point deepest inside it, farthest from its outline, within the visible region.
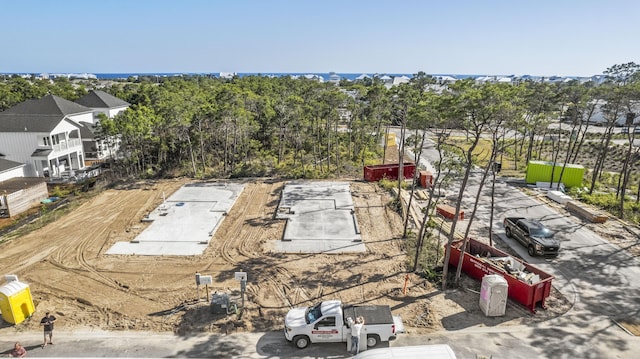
(158, 248)
(320, 218)
(185, 222)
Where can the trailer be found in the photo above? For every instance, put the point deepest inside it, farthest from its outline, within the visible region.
(375, 173)
(528, 285)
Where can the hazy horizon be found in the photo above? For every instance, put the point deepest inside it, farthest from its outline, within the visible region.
(493, 37)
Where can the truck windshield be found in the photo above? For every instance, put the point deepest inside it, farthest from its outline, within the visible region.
(541, 231)
(313, 313)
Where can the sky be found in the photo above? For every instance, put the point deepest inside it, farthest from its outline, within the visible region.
(481, 37)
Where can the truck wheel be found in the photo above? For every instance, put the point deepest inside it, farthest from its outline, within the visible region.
(531, 251)
(301, 341)
(372, 340)
(507, 231)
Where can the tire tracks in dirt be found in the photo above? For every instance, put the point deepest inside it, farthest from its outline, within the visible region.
(243, 237)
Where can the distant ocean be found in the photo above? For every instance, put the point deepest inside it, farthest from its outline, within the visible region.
(325, 76)
(125, 75)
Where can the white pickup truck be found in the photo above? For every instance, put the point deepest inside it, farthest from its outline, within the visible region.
(326, 322)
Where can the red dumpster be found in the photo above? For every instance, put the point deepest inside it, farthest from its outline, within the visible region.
(375, 173)
(476, 264)
(426, 179)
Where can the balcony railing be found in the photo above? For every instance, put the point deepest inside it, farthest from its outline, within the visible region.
(67, 145)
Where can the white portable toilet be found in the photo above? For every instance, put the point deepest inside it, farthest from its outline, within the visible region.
(493, 295)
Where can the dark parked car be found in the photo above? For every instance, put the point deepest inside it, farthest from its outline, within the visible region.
(538, 239)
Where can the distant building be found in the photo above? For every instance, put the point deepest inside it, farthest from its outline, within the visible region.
(445, 79)
(386, 79)
(400, 80)
(313, 77)
(334, 78)
(227, 75)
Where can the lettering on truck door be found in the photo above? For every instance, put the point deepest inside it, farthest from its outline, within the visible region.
(326, 330)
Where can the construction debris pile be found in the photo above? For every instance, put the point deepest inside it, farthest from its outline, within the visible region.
(513, 267)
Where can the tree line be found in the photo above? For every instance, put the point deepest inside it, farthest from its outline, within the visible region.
(206, 127)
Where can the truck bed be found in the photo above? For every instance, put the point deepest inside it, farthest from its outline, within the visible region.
(372, 314)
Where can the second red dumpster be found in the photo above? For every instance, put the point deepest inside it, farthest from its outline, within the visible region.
(375, 173)
(528, 285)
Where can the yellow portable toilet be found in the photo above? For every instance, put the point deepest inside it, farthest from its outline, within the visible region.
(16, 303)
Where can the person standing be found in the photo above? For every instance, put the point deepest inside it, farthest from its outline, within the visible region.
(47, 323)
(18, 351)
(356, 328)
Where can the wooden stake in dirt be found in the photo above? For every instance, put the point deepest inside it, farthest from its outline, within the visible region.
(197, 286)
(406, 281)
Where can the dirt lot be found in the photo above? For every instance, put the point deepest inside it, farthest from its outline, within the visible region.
(69, 274)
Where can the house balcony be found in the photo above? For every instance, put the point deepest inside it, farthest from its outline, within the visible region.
(64, 147)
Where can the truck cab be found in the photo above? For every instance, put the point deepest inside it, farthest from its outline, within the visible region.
(320, 323)
(326, 322)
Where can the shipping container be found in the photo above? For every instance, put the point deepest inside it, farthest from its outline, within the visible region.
(375, 173)
(540, 171)
(479, 261)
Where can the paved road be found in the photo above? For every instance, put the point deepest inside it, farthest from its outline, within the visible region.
(547, 340)
(602, 281)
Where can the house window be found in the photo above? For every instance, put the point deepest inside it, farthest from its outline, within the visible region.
(45, 140)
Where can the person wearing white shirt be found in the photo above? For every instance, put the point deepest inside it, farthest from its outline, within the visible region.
(356, 328)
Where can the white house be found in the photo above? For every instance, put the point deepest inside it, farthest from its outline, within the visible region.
(598, 116)
(44, 135)
(102, 102)
(386, 79)
(445, 79)
(334, 78)
(400, 80)
(98, 149)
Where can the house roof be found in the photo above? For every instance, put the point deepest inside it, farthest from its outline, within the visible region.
(87, 130)
(19, 183)
(401, 80)
(29, 123)
(6, 165)
(39, 115)
(48, 105)
(101, 99)
(41, 152)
